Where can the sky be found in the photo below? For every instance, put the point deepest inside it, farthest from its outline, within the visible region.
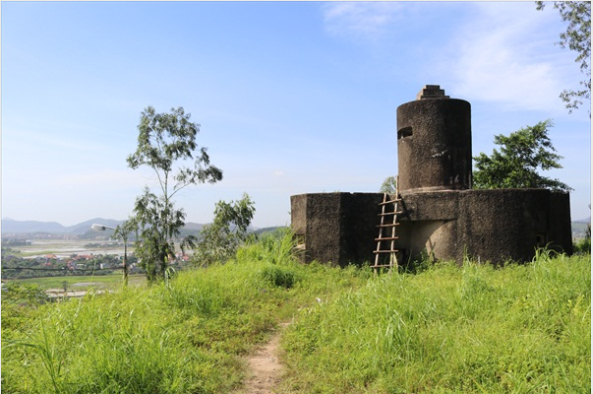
(291, 97)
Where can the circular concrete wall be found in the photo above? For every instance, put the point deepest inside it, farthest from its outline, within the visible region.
(434, 145)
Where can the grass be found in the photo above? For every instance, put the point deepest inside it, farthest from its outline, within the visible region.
(474, 329)
(83, 282)
(184, 336)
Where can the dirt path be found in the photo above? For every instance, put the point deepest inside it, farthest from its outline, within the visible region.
(265, 367)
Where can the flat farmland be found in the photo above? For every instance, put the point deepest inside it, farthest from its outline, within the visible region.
(84, 283)
(66, 247)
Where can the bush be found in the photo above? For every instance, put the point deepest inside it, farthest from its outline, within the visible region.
(280, 276)
(220, 240)
(583, 246)
(24, 294)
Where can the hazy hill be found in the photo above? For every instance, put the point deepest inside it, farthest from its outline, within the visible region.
(264, 230)
(32, 227)
(83, 227)
(29, 226)
(193, 226)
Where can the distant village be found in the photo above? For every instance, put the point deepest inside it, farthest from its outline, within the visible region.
(17, 265)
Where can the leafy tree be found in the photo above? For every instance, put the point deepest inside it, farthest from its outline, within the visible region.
(165, 142)
(515, 166)
(389, 185)
(221, 239)
(577, 38)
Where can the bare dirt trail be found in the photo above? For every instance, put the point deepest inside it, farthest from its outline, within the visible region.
(265, 366)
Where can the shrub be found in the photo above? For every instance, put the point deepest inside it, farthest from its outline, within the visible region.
(280, 276)
(582, 246)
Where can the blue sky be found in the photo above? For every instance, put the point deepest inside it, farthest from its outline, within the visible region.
(292, 97)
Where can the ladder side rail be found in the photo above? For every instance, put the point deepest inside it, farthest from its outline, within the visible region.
(393, 259)
(382, 222)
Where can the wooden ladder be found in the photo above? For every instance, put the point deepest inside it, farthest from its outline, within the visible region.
(381, 239)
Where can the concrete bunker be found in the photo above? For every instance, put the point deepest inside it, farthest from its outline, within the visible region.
(442, 216)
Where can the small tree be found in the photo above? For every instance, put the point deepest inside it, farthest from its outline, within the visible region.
(164, 141)
(515, 166)
(220, 240)
(389, 185)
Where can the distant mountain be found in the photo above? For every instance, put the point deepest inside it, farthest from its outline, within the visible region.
(264, 230)
(579, 229)
(83, 227)
(193, 226)
(31, 227)
(586, 220)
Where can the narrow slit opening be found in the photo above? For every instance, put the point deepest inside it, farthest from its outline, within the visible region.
(404, 132)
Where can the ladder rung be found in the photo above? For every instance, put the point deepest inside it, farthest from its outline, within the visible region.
(390, 202)
(389, 213)
(386, 239)
(386, 251)
(388, 225)
(382, 266)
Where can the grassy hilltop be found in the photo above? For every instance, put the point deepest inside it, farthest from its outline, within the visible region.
(447, 329)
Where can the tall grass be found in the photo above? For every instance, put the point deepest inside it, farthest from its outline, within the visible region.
(474, 329)
(186, 335)
(124, 342)
(447, 329)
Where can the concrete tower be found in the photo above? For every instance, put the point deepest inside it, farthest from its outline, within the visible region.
(441, 216)
(434, 142)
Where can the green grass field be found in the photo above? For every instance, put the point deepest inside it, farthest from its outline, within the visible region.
(475, 329)
(449, 329)
(101, 282)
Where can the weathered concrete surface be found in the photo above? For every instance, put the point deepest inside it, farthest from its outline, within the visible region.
(337, 228)
(434, 145)
(492, 225)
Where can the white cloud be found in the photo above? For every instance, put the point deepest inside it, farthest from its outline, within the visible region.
(495, 52)
(505, 54)
(366, 19)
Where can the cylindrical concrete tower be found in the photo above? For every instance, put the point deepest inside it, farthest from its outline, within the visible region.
(434, 143)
